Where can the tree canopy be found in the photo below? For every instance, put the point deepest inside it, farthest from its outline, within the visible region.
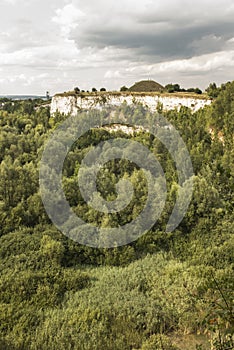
(58, 294)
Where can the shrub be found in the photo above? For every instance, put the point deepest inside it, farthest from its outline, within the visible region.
(77, 90)
(159, 342)
(124, 88)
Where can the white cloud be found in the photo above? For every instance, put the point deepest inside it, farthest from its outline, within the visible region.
(204, 63)
(10, 1)
(113, 74)
(68, 18)
(199, 64)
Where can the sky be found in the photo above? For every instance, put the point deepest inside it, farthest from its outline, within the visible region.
(57, 45)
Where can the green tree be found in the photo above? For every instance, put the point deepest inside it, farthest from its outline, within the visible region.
(123, 88)
(77, 90)
(213, 90)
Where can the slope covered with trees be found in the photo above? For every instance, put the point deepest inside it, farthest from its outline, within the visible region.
(161, 291)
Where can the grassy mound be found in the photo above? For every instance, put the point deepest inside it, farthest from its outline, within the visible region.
(146, 86)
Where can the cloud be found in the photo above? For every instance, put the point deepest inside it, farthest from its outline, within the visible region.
(23, 79)
(204, 63)
(10, 1)
(68, 18)
(205, 68)
(160, 29)
(115, 43)
(15, 2)
(113, 74)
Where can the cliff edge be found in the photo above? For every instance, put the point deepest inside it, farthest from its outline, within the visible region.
(72, 103)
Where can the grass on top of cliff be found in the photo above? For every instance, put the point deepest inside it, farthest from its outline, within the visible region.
(131, 93)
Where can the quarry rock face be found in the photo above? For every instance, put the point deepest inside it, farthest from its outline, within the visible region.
(74, 103)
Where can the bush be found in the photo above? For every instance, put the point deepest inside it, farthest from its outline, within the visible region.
(195, 90)
(124, 88)
(172, 88)
(158, 342)
(212, 90)
(77, 90)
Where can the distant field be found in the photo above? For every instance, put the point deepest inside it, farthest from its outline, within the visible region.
(23, 97)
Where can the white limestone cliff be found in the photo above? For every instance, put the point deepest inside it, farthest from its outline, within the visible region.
(71, 104)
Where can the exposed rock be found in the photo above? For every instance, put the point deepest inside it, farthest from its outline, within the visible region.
(71, 104)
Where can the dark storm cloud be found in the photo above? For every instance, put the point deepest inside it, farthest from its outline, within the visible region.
(159, 41)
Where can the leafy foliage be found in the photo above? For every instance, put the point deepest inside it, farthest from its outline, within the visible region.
(176, 88)
(57, 294)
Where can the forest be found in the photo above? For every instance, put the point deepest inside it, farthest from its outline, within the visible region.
(163, 291)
